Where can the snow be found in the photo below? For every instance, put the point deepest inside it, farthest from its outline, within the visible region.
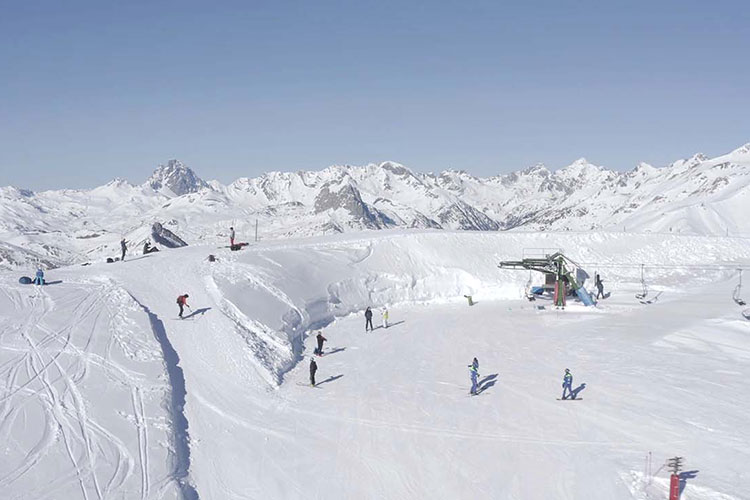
(697, 196)
(91, 405)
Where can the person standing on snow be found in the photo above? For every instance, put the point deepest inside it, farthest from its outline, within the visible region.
(567, 384)
(182, 302)
(599, 286)
(39, 280)
(124, 248)
(231, 236)
(313, 369)
(368, 319)
(321, 339)
(474, 374)
(385, 317)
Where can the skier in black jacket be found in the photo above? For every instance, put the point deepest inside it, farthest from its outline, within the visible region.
(313, 369)
(368, 319)
(321, 339)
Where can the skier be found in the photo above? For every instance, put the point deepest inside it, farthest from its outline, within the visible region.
(182, 301)
(567, 384)
(124, 248)
(474, 374)
(313, 369)
(39, 280)
(321, 339)
(599, 286)
(368, 319)
(231, 236)
(385, 317)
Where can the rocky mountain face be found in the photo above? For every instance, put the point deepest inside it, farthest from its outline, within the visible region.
(177, 178)
(697, 195)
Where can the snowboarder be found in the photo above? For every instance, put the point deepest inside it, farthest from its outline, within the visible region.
(599, 286)
(231, 236)
(321, 339)
(567, 384)
(39, 279)
(124, 248)
(313, 369)
(368, 319)
(182, 302)
(385, 317)
(474, 374)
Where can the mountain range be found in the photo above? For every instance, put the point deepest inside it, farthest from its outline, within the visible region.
(698, 195)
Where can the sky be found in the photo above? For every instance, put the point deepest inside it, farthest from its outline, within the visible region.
(90, 91)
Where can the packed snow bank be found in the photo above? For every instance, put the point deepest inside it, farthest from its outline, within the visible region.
(292, 288)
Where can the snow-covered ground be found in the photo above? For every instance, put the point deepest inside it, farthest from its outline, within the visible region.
(104, 393)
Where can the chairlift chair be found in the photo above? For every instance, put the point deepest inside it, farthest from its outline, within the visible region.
(738, 290)
(644, 294)
(527, 289)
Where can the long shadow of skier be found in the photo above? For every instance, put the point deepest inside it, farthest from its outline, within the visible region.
(335, 350)
(487, 382)
(574, 392)
(330, 379)
(390, 325)
(684, 476)
(200, 311)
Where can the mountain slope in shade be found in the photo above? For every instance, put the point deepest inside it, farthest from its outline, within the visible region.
(698, 195)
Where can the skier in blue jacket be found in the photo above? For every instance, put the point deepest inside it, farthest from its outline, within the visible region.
(567, 384)
(39, 280)
(474, 374)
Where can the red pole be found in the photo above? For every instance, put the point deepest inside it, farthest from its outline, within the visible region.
(674, 487)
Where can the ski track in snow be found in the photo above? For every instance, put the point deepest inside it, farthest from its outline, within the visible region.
(50, 380)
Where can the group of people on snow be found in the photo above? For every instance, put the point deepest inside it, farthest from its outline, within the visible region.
(320, 339)
(368, 318)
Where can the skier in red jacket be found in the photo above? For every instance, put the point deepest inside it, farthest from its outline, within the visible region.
(182, 302)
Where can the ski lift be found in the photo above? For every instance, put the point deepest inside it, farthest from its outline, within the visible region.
(527, 290)
(738, 291)
(642, 296)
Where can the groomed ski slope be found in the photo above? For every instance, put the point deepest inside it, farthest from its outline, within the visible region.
(89, 391)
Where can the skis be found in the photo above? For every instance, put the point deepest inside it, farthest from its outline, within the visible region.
(570, 399)
(308, 385)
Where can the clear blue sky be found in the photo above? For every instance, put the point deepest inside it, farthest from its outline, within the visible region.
(94, 90)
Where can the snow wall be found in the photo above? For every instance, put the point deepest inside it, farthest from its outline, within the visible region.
(287, 289)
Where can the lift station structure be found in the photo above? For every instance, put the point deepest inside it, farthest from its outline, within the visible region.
(556, 267)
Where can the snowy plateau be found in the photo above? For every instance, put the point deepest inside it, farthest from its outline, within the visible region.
(106, 394)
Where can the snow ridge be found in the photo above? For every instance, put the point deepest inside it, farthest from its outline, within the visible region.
(180, 434)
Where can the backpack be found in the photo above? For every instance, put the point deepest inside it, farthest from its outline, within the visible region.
(178, 299)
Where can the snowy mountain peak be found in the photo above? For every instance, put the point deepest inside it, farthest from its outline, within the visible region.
(176, 177)
(580, 169)
(582, 161)
(396, 168)
(742, 150)
(118, 182)
(644, 168)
